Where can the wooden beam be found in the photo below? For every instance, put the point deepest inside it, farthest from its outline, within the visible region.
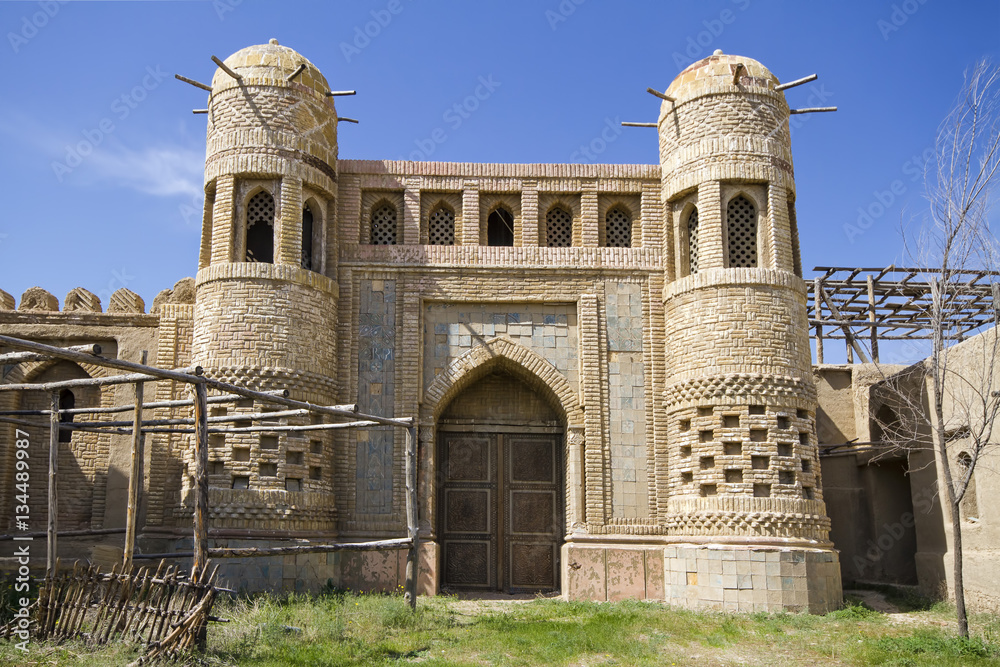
(818, 312)
(18, 357)
(630, 124)
(201, 481)
(412, 521)
(134, 476)
(298, 70)
(811, 110)
(797, 82)
(51, 553)
(662, 96)
(871, 317)
(264, 552)
(196, 84)
(848, 335)
(339, 93)
(59, 353)
(345, 119)
(225, 398)
(225, 68)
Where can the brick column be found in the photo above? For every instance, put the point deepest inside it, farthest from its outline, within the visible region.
(223, 225)
(411, 212)
(469, 233)
(654, 216)
(590, 234)
(529, 214)
(779, 230)
(288, 232)
(711, 227)
(590, 371)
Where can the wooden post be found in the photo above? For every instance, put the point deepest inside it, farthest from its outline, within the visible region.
(871, 317)
(412, 525)
(201, 480)
(818, 312)
(53, 525)
(134, 477)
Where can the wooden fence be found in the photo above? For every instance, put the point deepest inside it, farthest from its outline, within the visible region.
(163, 609)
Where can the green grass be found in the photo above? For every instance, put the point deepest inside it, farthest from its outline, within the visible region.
(347, 629)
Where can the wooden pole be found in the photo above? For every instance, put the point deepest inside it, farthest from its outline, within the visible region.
(201, 480)
(797, 82)
(871, 317)
(134, 477)
(412, 525)
(18, 357)
(53, 524)
(818, 307)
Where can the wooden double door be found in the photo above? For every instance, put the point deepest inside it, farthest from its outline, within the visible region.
(501, 517)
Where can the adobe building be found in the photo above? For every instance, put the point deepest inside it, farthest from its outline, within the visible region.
(609, 365)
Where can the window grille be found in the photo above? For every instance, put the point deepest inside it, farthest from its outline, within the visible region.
(383, 228)
(693, 240)
(741, 221)
(558, 228)
(260, 228)
(441, 227)
(618, 229)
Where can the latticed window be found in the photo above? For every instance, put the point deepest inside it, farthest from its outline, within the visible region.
(693, 240)
(307, 238)
(558, 228)
(260, 228)
(441, 226)
(741, 221)
(618, 228)
(383, 229)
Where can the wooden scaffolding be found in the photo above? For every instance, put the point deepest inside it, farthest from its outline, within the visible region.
(867, 305)
(201, 425)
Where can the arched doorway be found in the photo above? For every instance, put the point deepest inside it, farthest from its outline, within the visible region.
(500, 514)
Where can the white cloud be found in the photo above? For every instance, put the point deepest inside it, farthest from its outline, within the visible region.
(160, 171)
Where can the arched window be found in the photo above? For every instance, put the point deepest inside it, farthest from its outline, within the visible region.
(260, 228)
(741, 223)
(383, 224)
(692, 225)
(500, 228)
(618, 228)
(558, 228)
(67, 401)
(307, 238)
(441, 226)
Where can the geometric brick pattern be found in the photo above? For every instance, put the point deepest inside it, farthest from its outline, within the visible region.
(376, 395)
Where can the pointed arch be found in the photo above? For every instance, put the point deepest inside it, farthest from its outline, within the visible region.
(520, 361)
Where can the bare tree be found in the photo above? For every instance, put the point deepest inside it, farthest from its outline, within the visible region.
(948, 404)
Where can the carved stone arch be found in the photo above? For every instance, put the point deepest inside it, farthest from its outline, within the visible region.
(504, 354)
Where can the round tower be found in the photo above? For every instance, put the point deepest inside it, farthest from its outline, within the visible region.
(265, 311)
(742, 463)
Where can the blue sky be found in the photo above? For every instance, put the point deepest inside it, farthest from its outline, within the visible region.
(102, 157)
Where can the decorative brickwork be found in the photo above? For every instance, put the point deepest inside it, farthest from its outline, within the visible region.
(648, 322)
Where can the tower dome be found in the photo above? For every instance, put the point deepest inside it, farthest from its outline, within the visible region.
(726, 118)
(270, 64)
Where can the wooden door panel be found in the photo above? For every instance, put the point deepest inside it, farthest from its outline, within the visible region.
(533, 566)
(501, 511)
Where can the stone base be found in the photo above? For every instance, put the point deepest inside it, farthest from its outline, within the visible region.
(718, 577)
(362, 571)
